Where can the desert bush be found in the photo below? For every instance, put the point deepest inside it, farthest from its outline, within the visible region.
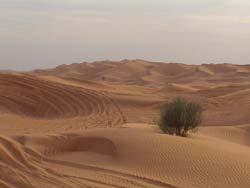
(180, 116)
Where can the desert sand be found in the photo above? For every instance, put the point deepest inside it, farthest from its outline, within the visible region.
(95, 125)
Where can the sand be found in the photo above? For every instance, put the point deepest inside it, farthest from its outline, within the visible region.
(94, 125)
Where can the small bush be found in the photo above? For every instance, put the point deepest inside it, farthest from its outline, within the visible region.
(180, 116)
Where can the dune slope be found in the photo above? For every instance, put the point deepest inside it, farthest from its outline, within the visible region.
(128, 157)
(26, 95)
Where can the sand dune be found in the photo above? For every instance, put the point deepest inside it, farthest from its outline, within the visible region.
(39, 101)
(159, 82)
(137, 91)
(22, 94)
(128, 157)
(140, 72)
(93, 125)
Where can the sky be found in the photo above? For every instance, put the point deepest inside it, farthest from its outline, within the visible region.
(38, 34)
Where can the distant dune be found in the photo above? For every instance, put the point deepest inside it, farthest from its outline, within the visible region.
(140, 72)
(94, 125)
(207, 83)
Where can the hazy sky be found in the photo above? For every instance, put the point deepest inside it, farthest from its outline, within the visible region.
(46, 33)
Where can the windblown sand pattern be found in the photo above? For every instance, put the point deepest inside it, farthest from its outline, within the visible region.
(93, 125)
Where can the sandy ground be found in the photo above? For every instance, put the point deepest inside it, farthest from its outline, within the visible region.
(94, 125)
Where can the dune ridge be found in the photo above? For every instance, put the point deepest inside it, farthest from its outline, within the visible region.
(140, 72)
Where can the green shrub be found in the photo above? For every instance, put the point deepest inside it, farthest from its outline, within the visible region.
(180, 116)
